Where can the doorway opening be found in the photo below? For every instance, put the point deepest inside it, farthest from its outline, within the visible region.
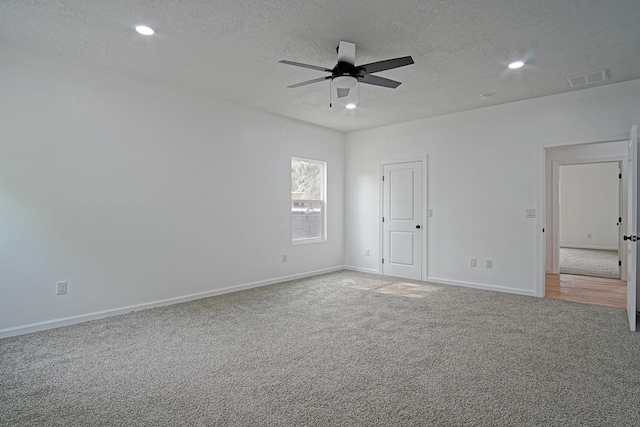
(585, 205)
(590, 216)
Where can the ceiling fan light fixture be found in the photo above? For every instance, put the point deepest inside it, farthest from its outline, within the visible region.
(145, 30)
(350, 106)
(345, 82)
(515, 65)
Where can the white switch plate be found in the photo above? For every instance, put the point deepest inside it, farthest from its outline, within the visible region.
(530, 213)
(474, 262)
(488, 263)
(367, 252)
(429, 213)
(61, 288)
(284, 257)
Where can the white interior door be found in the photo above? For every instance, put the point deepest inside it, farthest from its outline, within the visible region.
(632, 228)
(402, 226)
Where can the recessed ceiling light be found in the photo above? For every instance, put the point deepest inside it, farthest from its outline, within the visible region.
(350, 106)
(144, 30)
(516, 65)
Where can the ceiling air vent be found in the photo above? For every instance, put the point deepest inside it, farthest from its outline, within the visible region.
(588, 78)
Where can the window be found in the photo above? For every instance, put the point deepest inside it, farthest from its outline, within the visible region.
(308, 208)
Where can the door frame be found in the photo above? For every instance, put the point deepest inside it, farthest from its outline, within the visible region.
(423, 214)
(555, 209)
(541, 251)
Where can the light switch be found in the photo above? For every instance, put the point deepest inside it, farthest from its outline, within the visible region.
(61, 288)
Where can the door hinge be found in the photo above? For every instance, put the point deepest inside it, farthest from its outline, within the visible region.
(619, 176)
(382, 219)
(383, 177)
(619, 219)
(543, 230)
(620, 263)
(383, 260)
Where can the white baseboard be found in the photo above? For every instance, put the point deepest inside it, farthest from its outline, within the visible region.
(71, 320)
(360, 269)
(605, 248)
(65, 321)
(531, 293)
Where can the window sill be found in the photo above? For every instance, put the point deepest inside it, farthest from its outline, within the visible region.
(306, 241)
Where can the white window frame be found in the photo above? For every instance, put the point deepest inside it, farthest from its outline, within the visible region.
(323, 204)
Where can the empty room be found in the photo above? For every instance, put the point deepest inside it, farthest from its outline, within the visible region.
(318, 213)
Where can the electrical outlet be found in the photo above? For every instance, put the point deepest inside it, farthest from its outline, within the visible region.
(488, 263)
(284, 257)
(61, 288)
(474, 262)
(367, 252)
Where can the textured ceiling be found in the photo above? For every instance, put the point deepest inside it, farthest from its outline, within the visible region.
(230, 49)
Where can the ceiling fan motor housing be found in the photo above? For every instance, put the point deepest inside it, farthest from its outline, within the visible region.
(344, 75)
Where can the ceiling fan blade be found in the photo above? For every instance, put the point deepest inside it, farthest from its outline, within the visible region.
(298, 64)
(378, 81)
(347, 52)
(343, 92)
(308, 82)
(388, 64)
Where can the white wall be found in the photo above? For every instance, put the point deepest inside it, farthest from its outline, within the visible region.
(485, 170)
(589, 208)
(134, 192)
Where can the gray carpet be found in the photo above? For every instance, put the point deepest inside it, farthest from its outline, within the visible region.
(589, 262)
(339, 349)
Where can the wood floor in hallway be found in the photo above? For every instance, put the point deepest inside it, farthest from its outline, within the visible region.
(585, 289)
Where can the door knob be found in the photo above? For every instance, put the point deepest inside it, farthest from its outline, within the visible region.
(417, 226)
(632, 238)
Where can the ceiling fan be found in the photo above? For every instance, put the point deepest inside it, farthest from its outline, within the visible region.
(345, 75)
